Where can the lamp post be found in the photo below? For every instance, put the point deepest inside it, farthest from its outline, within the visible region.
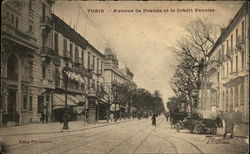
(66, 71)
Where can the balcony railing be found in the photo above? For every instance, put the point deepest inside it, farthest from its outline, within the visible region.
(47, 52)
(46, 22)
(8, 28)
(235, 73)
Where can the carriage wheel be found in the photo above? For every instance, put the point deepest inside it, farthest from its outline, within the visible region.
(197, 129)
(178, 127)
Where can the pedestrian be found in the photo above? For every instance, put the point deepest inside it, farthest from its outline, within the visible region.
(153, 120)
(42, 118)
(219, 121)
(17, 118)
(4, 119)
(167, 116)
(47, 117)
(229, 124)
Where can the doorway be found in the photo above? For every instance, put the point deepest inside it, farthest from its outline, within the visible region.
(11, 104)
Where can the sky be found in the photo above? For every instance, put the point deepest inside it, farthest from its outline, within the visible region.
(142, 41)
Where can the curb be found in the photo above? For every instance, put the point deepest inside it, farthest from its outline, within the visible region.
(74, 130)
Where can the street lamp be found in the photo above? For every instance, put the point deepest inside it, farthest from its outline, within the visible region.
(66, 71)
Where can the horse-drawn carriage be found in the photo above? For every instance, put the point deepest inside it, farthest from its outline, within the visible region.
(193, 122)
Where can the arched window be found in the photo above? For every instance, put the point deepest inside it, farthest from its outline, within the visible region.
(12, 68)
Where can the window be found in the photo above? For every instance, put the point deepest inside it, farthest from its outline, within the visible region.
(101, 68)
(231, 65)
(43, 12)
(30, 4)
(76, 55)
(30, 107)
(12, 19)
(236, 61)
(242, 59)
(40, 101)
(88, 60)
(222, 49)
(30, 28)
(64, 44)
(82, 58)
(43, 71)
(25, 103)
(93, 84)
(232, 43)
(71, 51)
(93, 62)
(97, 66)
(227, 47)
(237, 36)
(17, 22)
(243, 30)
(31, 70)
(227, 69)
(56, 43)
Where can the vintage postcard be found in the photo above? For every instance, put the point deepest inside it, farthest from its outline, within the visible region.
(124, 77)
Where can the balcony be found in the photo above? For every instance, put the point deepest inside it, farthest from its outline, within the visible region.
(99, 72)
(46, 23)
(47, 52)
(91, 67)
(57, 60)
(8, 28)
(234, 74)
(77, 61)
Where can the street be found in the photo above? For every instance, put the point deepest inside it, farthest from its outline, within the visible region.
(131, 136)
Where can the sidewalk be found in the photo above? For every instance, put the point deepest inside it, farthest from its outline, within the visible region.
(240, 131)
(53, 127)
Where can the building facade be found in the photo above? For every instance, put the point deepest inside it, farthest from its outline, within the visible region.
(36, 46)
(26, 29)
(115, 77)
(227, 76)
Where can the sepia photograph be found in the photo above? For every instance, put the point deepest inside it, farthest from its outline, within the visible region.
(124, 77)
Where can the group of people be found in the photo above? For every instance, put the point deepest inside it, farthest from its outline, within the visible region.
(5, 119)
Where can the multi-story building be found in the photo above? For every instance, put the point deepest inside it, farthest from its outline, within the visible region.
(36, 46)
(85, 61)
(115, 76)
(26, 45)
(228, 75)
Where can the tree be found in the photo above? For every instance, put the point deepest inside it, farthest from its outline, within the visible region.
(192, 51)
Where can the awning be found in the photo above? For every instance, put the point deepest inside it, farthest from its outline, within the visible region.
(81, 98)
(74, 99)
(59, 101)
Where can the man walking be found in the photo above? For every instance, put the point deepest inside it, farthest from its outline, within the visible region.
(4, 119)
(17, 118)
(153, 120)
(229, 124)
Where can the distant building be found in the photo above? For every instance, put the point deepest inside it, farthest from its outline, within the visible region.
(114, 77)
(227, 77)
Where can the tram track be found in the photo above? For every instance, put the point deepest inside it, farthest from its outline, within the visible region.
(76, 137)
(131, 136)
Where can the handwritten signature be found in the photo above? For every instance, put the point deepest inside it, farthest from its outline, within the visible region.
(216, 140)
